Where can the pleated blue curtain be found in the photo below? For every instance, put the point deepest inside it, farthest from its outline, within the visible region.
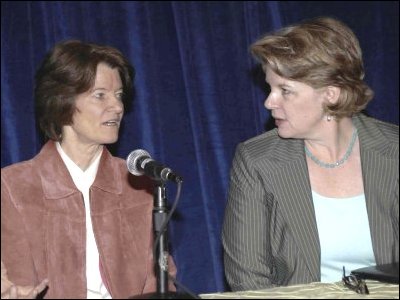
(198, 92)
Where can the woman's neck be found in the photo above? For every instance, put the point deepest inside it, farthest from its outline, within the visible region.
(81, 154)
(332, 141)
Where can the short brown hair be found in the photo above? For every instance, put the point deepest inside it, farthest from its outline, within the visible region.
(319, 52)
(68, 70)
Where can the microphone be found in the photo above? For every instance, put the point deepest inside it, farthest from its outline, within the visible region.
(139, 163)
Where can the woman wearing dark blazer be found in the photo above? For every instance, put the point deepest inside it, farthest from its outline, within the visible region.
(320, 191)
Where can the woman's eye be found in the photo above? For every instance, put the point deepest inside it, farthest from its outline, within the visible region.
(99, 95)
(120, 96)
(285, 92)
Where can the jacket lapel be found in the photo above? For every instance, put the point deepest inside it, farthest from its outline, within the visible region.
(292, 185)
(380, 177)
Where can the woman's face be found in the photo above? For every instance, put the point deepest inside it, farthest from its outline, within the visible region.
(295, 106)
(99, 111)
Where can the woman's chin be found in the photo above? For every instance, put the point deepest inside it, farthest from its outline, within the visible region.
(109, 140)
(284, 133)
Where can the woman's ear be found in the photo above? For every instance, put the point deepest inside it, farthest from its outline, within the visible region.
(332, 94)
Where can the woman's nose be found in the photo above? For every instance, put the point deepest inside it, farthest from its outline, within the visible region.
(117, 104)
(269, 102)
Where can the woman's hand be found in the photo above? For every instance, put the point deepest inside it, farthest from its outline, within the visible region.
(23, 292)
(11, 291)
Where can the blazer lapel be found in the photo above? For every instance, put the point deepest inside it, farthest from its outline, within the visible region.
(380, 177)
(292, 184)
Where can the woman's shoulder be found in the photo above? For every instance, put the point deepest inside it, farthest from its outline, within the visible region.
(389, 129)
(378, 136)
(269, 146)
(262, 142)
(17, 168)
(20, 176)
(377, 130)
(130, 181)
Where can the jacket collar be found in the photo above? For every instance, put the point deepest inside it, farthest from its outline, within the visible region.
(57, 182)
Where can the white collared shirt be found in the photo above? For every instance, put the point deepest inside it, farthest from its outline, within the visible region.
(83, 180)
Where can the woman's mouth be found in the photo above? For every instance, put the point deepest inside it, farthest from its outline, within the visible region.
(111, 123)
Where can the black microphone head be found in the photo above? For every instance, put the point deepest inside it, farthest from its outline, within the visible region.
(133, 159)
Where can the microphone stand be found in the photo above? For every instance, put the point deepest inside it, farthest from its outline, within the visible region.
(159, 216)
(160, 213)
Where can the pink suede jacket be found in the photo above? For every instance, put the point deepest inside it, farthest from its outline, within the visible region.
(43, 231)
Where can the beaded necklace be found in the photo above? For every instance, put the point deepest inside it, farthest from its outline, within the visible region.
(340, 161)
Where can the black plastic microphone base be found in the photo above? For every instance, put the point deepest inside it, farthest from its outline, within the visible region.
(168, 295)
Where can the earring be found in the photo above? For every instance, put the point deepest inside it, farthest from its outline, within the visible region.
(328, 118)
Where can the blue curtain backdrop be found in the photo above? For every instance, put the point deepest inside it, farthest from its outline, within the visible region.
(198, 90)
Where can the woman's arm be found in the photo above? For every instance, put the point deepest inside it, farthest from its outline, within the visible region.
(246, 240)
(15, 252)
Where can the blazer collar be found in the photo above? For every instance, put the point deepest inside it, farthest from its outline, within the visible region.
(57, 182)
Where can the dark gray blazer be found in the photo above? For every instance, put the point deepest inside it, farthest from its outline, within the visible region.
(270, 235)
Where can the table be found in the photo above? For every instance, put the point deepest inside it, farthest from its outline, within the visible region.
(315, 290)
